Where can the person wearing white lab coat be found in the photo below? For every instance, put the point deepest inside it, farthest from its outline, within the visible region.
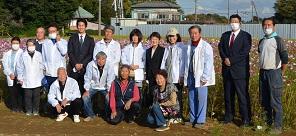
(29, 74)
(110, 47)
(64, 97)
(54, 50)
(174, 64)
(134, 55)
(199, 73)
(9, 61)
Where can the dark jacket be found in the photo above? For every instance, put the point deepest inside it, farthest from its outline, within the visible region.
(153, 64)
(122, 98)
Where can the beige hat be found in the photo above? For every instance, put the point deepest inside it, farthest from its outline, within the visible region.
(172, 31)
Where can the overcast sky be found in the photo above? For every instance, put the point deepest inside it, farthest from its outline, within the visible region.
(264, 7)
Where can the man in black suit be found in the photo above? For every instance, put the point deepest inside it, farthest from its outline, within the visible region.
(234, 48)
(153, 61)
(80, 52)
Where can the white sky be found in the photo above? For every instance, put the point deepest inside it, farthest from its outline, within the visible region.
(264, 7)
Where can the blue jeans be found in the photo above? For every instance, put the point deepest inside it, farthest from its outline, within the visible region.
(87, 102)
(270, 91)
(197, 101)
(156, 116)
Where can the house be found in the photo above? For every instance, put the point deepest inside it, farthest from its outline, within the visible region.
(82, 13)
(156, 10)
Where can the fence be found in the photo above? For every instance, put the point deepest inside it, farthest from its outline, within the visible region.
(286, 31)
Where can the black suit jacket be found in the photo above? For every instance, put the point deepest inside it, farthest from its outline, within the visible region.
(77, 55)
(238, 54)
(153, 64)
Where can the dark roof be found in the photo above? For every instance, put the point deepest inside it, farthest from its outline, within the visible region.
(156, 4)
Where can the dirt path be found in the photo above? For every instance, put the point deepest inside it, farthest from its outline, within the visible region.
(20, 124)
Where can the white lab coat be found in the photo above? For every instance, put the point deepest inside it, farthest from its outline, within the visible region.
(6, 64)
(53, 56)
(92, 77)
(30, 70)
(178, 63)
(71, 92)
(203, 64)
(138, 54)
(112, 50)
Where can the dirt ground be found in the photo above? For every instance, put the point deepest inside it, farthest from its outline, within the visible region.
(20, 124)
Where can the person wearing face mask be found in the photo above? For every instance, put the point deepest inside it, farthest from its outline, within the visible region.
(199, 74)
(273, 62)
(234, 49)
(173, 62)
(29, 74)
(9, 61)
(154, 57)
(54, 50)
(110, 47)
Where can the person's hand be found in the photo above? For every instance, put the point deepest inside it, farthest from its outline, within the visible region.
(12, 77)
(136, 67)
(21, 82)
(127, 105)
(107, 96)
(59, 108)
(58, 38)
(78, 67)
(44, 72)
(227, 62)
(64, 102)
(203, 83)
(113, 115)
(86, 94)
(181, 80)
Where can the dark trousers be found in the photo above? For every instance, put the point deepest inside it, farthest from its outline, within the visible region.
(50, 80)
(16, 95)
(127, 115)
(152, 84)
(73, 109)
(270, 91)
(79, 77)
(240, 87)
(32, 99)
(179, 95)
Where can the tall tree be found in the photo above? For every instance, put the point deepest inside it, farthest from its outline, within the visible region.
(285, 11)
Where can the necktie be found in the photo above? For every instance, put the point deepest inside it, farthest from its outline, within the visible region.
(81, 41)
(231, 41)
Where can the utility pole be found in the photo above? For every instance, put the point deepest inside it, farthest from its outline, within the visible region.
(252, 11)
(228, 12)
(100, 23)
(196, 8)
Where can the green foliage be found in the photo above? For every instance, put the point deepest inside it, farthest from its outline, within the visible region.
(207, 17)
(285, 11)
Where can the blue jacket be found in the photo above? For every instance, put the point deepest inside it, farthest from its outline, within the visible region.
(122, 98)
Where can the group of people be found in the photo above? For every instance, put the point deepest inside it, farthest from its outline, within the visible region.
(95, 68)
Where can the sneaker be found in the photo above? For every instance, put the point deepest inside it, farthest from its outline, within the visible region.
(274, 132)
(162, 128)
(76, 118)
(198, 125)
(188, 124)
(88, 119)
(130, 122)
(28, 113)
(35, 113)
(61, 117)
(175, 120)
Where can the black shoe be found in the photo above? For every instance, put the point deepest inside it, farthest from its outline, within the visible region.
(225, 122)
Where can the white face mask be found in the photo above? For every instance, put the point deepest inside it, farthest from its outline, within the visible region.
(31, 48)
(268, 31)
(53, 36)
(15, 46)
(234, 26)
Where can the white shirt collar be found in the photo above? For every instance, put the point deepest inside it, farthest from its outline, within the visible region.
(236, 32)
(83, 35)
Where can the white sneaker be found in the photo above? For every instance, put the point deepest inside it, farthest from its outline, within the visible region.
(76, 118)
(175, 120)
(61, 117)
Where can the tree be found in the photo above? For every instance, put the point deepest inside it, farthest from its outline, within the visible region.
(285, 11)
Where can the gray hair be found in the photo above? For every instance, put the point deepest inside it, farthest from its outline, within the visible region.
(101, 54)
(30, 40)
(62, 68)
(193, 27)
(125, 66)
(109, 27)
